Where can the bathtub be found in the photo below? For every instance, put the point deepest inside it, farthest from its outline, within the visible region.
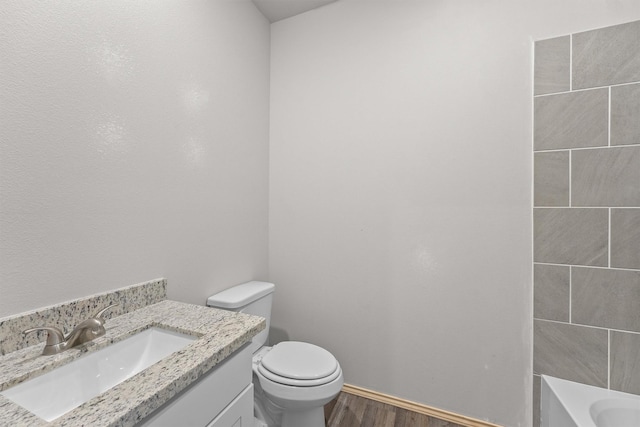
(568, 404)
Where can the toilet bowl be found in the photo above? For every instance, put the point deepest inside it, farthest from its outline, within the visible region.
(292, 380)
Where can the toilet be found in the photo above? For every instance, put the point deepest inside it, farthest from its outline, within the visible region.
(292, 380)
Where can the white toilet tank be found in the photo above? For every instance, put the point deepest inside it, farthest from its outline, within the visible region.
(250, 298)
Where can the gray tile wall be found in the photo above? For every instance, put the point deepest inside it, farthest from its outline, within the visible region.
(571, 236)
(606, 177)
(607, 56)
(551, 184)
(587, 209)
(551, 70)
(625, 114)
(571, 120)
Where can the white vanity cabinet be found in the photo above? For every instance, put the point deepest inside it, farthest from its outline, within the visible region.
(221, 398)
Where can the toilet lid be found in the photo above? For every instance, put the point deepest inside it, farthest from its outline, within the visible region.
(299, 361)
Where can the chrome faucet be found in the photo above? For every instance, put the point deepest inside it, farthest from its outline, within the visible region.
(86, 331)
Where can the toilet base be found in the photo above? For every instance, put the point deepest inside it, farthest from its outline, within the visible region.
(313, 417)
(269, 414)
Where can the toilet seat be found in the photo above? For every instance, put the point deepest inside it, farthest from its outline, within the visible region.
(299, 364)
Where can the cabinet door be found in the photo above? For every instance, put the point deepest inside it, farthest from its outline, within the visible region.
(239, 413)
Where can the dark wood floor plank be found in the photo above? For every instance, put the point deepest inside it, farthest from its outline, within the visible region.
(349, 410)
(328, 409)
(402, 418)
(370, 414)
(386, 416)
(419, 420)
(337, 414)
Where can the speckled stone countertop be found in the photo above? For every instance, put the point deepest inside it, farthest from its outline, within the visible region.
(220, 334)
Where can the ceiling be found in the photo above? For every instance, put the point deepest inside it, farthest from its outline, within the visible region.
(276, 10)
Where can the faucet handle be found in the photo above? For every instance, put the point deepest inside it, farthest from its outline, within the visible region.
(54, 336)
(99, 314)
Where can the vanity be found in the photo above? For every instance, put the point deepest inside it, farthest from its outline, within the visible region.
(205, 381)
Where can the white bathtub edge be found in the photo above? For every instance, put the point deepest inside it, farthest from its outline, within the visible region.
(567, 404)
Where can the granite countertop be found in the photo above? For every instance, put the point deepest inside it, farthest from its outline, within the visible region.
(219, 333)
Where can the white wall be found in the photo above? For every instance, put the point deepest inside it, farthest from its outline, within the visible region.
(133, 145)
(400, 191)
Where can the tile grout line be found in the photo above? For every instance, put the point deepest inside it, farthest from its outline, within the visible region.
(586, 207)
(595, 147)
(533, 203)
(567, 92)
(609, 239)
(599, 267)
(564, 92)
(609, 119)
(609, 358)
(570, 177)
(570, 294)
(570, 62)
(583, 325)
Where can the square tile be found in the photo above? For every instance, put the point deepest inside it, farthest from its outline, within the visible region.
(551, 287)
(606, 298)
(571, 236)
(625, 238)
(552, 71)
(551, 179)
(625, 114)
(571, 352)
(606, 56)
(571, 120)
(606, 177)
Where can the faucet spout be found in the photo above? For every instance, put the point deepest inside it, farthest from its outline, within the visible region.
(86, 331)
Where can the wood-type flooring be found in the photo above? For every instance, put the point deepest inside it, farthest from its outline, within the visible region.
(349, 410)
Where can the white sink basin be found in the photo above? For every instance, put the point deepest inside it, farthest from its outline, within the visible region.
(67, 387)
